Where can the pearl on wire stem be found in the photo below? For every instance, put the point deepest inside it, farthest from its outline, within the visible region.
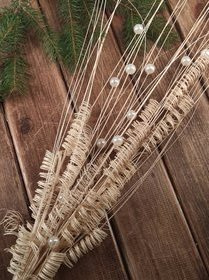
(205, 53)
(149, 68)
(131, 115)
(130, 69)
(138, 29)
(101, 143)
(186, 60)
(114, 82)
(53, 241)
(117, 140)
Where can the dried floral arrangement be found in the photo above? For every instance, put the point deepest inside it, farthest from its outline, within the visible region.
(83, 179)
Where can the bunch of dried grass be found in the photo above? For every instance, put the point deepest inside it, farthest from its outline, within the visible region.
(82, 182)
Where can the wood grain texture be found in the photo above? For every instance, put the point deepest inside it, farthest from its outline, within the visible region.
(110, 57)
(188, 161)
(192, 11)
(33, 121)
(154, 235)
(11, 189)
(166, 267)
(99, 264)
(160, 265)
(153, 232)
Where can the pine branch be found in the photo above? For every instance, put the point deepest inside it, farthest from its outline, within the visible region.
(168, 39)
(20, 18)
(15, 23)
(13, 77)
(11, 32)
(35, 21)
(72, 36)
(131, 18)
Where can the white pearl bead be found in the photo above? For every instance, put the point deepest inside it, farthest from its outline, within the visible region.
(101, 143)
(149, 68)
(205, 53)
(138, 29)
(117, 140)
(131, 115)
(130, 69)
(186, 60)
(53, 241)
(114, 82)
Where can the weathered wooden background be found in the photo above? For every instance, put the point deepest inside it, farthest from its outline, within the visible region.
(163, 231)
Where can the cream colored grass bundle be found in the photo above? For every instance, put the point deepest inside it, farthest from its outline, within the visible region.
(83, 178)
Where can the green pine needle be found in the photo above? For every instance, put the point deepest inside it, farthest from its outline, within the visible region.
(50, 42)
(11, 32)
(70, 44)
(15, 23)
(35, 21)
(20, 18)
(72, 36)
(13, 77)
(131, 18)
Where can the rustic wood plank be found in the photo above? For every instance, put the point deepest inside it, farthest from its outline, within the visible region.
(33, 118)
(105, 67)
(194, 267)
(154, 235)
(191, 268)
(188, 15)
(185, 22)
(33, 121)
(99, 264)
(188, 161)
(168, 264)
(159, 244)
(13, 194)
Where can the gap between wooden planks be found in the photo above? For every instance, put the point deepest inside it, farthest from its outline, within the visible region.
(190, 173)
(49, 13)
(198, 176)
(180, 268)
(12, 189)
(33, 121)
(98, 274)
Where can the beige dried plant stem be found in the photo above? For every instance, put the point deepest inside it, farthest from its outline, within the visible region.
(120, 123)
(186, 104)
(120, 58)
(150, 94)
(80, 183)
(109, 195)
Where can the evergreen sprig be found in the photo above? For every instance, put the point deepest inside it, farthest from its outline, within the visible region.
(13, 68)
(16, 22)
(135, 11)
(34, 20)
(20, 18)
(13, 75)
(72, 34)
